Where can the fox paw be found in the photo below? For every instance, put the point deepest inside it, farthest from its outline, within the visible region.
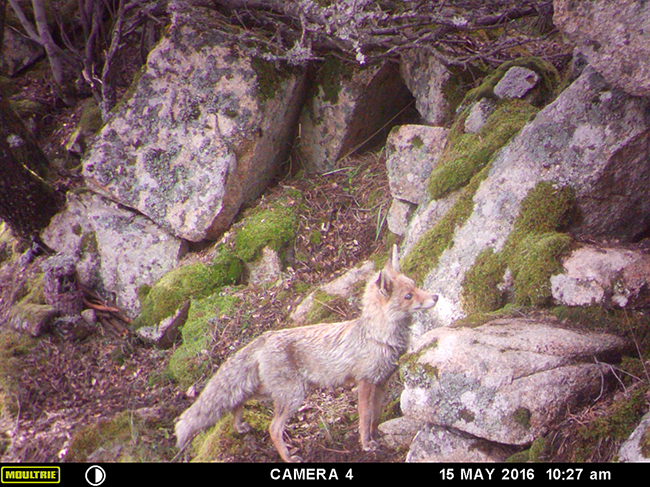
(243, 428)
(371, 445)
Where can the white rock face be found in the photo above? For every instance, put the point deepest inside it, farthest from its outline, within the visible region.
(608, 276)
(591, 138)
(115, 251)
(505, 381)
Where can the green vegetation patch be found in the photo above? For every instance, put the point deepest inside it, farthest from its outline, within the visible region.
(468, 153)
(274, 227)
(192, 359)
(532, 253)
(222, 439)
(189, 281)
(425, 253)
(126, 437)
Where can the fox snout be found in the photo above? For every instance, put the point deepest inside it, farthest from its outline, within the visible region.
(422, 300)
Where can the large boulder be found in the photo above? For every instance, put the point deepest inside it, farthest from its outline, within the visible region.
(505, 381)
(203, 132)
(614, 36)
(437, 88)
(592, 140)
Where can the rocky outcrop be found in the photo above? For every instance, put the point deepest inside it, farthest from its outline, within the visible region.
(436, 88)
(412, 151)
(591, 139)
(203, 132)
(613, 36)
(506, 381)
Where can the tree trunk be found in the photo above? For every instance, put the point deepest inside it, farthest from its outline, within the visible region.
(27, 202)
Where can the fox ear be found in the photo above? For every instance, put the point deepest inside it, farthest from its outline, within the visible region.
(385, 283)
(392, 264)
(395, 259)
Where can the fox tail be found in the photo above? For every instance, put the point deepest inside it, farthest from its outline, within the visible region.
(236, 381)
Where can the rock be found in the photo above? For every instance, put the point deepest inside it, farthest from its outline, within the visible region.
(424, 218)
(516, 82)
(613, 36)
(412, 152)
(399, 215)
(346, 110)
(31, 318)
(18, 53)
(266, 269)
(114, 250)
(89, 316)
(506, 381)
(167, 332)
(593, 139)
(203, 132)
(437, 90)
(637, 447)
(436, 444)
(399, 432)
(478, 115)
(603, 276)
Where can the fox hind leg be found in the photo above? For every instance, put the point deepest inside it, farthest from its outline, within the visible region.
(282, 412)
(238, 424)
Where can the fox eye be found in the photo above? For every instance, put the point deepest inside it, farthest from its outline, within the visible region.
(408, 296)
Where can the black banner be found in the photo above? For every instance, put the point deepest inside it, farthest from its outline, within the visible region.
(112, 474)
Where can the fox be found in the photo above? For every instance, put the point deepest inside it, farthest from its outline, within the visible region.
(283, 365)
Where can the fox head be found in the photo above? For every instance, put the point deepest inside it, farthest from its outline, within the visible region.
(397, 293)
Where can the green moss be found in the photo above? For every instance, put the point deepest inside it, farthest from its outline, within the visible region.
(185, 282)
(481, 291)
(532, 253)
(546, 208)
(191, 359)
(539, 96)
(425, 253)
(222, 439)
(274, 227)
(126, 437)
(535, 260)
(467, 153)
(624, 417)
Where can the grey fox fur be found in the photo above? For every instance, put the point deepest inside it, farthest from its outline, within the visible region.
(282, 365)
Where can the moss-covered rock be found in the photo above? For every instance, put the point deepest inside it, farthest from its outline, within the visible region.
(468, 153)
(274, 227)
(196, 280)
(424, 255)
(532, 253)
